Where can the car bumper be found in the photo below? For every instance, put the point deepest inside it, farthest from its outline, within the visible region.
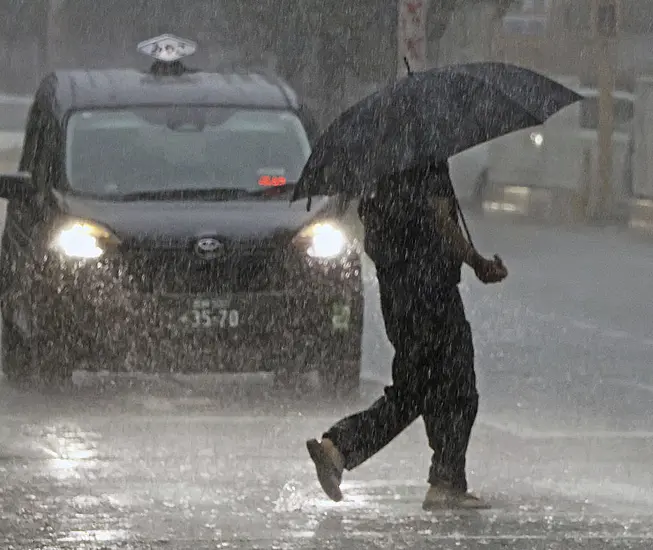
(100, 322)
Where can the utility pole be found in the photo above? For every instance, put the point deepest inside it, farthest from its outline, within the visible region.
(411, 35)
(606, 21)
(47, 33)
(40, 34)
(56, 38)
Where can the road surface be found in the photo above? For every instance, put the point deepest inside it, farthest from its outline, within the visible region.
(562, 447)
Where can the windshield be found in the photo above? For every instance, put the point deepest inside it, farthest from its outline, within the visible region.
(159, 149)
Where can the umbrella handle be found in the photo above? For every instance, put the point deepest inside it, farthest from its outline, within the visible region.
(408, 69)
(464, 223)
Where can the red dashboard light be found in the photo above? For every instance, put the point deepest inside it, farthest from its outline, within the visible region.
(272, 181)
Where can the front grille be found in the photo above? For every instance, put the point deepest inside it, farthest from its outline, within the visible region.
(238, 269)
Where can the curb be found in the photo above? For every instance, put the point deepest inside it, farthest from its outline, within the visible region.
(550, 205)
(557, 206)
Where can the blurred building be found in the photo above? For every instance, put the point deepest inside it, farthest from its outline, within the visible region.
(556, 37)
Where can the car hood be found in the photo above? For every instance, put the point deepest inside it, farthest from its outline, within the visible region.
(184, 220)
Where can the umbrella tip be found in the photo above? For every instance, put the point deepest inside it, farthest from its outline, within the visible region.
(308, 203)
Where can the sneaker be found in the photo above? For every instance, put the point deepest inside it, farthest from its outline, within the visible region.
(329, 465)
(444, 497)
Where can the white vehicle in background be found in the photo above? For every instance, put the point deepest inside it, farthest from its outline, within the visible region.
(13, 117)
(469, 173)
(560, 156)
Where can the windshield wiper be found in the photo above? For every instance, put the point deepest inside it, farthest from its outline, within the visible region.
(215, 193)
(211, 193)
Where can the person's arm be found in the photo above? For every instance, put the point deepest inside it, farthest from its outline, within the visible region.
(487, 271)
(461, 249)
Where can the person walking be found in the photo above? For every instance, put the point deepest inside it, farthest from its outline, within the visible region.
(413, 237)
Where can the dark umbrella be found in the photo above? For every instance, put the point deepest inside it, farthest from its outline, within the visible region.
(425, 117)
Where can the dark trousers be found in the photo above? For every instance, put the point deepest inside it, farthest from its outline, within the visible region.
(432, 376)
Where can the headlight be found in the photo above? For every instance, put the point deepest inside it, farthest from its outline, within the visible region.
(325, 240)
(537, 139)
(83, 240)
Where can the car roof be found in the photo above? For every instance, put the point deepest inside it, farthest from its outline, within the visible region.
(64, 91)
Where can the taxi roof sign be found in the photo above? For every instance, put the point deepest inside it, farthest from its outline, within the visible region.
(167, 47)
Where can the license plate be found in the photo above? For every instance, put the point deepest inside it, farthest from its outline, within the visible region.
(340, 317)
(211, 314)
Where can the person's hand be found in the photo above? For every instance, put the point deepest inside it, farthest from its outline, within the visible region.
(491, 271)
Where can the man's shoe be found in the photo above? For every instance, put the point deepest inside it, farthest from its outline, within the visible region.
(443, 496)
(329, 465)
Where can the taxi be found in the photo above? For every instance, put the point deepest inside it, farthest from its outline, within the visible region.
(149, 227)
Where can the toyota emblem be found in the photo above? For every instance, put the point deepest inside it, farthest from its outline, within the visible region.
(208, 247)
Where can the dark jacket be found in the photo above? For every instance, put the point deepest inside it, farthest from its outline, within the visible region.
(401, 236)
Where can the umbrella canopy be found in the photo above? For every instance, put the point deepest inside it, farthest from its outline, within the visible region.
(427, 117)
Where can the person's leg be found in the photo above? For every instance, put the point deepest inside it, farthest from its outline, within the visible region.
(362, 435)
(449, 411)
(357, 437)
(450, 408)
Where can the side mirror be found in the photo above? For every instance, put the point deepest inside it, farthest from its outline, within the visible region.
(16, 186)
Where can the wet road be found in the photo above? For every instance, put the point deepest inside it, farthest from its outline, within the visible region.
(562, 447)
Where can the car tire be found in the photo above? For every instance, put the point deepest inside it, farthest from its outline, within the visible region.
(341, 380)
(23, 363)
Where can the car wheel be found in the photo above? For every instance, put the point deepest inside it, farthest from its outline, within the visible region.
(341, 380)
